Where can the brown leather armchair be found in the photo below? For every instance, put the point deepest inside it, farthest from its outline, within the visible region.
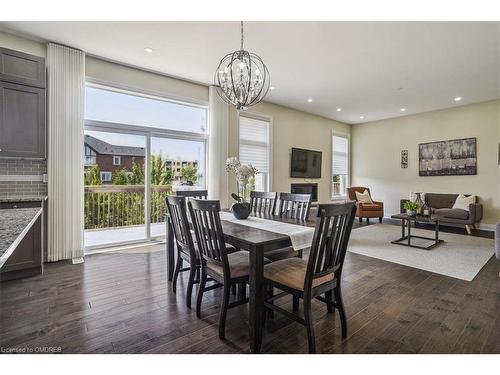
(365, 210)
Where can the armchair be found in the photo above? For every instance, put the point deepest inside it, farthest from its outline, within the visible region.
(366, 210)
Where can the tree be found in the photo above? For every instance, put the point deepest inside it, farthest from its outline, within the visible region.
(137, 176)
(121, 177)
(92, 176)
(160, 173)
(189, 174)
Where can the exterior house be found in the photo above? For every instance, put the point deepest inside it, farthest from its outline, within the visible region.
(110, 158)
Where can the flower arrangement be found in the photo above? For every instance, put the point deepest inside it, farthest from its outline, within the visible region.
(243, 173)
(411, 207)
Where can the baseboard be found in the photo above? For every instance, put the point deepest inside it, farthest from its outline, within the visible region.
(485, 227)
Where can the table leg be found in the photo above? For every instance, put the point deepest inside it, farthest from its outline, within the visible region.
(436, 228)
(403, 224)
(409, 232)
(170, 248)
(256, 303)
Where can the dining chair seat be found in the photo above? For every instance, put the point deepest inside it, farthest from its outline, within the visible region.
(239, 263)
(292, 273)
(284, 253)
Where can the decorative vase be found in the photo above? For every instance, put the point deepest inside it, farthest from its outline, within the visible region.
(420, 202)
(241, 210)
(411, 213)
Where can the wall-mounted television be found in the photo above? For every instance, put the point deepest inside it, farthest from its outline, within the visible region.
(305, 163)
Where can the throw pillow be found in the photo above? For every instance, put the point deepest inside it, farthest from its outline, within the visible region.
(364, 197)
(463, 202)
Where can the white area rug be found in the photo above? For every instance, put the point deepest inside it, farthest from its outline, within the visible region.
(459, 256)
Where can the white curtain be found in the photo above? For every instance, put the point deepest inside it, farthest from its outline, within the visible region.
(218, 148)
(66, 72)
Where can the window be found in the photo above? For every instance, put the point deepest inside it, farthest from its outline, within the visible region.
(90, 156)
(158, 136)
(340, 165)
(116, 106)
(106, 176)
(255, 148)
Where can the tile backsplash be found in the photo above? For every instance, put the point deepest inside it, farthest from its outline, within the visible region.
(22, 177)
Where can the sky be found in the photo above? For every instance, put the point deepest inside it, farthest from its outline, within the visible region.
(109, 106)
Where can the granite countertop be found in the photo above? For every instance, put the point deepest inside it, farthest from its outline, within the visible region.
(14, 224)
(33, 198)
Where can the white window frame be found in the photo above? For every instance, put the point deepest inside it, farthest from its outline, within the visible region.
(106, 173)
(268, 119)
(115, 158)
(149, 132)
(348, 182)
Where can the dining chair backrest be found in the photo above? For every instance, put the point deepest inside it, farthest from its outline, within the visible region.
(208, 231)
(177, 211)
(329, 245)
(263, 202)
(295, 206)
(192, 193)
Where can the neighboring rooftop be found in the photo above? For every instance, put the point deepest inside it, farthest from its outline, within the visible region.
(105, 148)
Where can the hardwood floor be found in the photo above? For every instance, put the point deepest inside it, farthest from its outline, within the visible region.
(122, 303)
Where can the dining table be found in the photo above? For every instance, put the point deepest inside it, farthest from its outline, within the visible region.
(257, 241)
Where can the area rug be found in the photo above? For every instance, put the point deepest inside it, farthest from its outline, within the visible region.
(460, 256)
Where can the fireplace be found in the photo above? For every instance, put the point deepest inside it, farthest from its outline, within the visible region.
(305, 188)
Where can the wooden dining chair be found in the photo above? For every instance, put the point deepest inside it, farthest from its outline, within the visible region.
(186, 251)
(263, 202)
(192, 193)
(295, 206)
(320, 276)
(225, 267)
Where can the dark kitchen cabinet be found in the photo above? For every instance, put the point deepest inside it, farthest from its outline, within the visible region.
(22, 121)
(22, 105)
(26, 260)
(19, 67)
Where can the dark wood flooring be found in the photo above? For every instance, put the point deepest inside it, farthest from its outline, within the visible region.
(122, 303)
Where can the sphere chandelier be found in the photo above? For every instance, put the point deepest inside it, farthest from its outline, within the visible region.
(242, 78)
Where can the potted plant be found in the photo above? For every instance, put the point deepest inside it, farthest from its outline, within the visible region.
(242, 172)
(411, 208)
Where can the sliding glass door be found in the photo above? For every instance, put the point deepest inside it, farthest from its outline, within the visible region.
(138, 149)
(175, 164)
(114, 188)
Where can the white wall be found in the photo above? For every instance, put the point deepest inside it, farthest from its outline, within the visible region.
(377, 147)
(292, 128)
(22, 44)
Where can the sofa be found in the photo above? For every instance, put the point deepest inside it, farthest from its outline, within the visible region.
(442, 206)
(366, 210)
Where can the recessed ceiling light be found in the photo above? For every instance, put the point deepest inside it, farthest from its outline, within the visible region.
(148, 50)
(403, 109)
(272, 88)
(361, 117)
(458, 98)
(309, 100)
(339, 109)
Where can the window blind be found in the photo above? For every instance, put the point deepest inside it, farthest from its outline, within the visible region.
(340, 156)
(254, 143)
(254, 148)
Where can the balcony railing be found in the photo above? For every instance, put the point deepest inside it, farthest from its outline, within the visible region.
(109, 206)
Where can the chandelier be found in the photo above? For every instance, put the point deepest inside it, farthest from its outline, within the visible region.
(242, 78)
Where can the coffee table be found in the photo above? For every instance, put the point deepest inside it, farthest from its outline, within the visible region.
(406, 221)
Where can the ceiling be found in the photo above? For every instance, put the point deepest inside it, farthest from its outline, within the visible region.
(370, 69)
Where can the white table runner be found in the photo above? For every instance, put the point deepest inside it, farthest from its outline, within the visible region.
(300, 236)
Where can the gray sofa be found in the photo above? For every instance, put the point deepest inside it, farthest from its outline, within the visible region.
(442, 205)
